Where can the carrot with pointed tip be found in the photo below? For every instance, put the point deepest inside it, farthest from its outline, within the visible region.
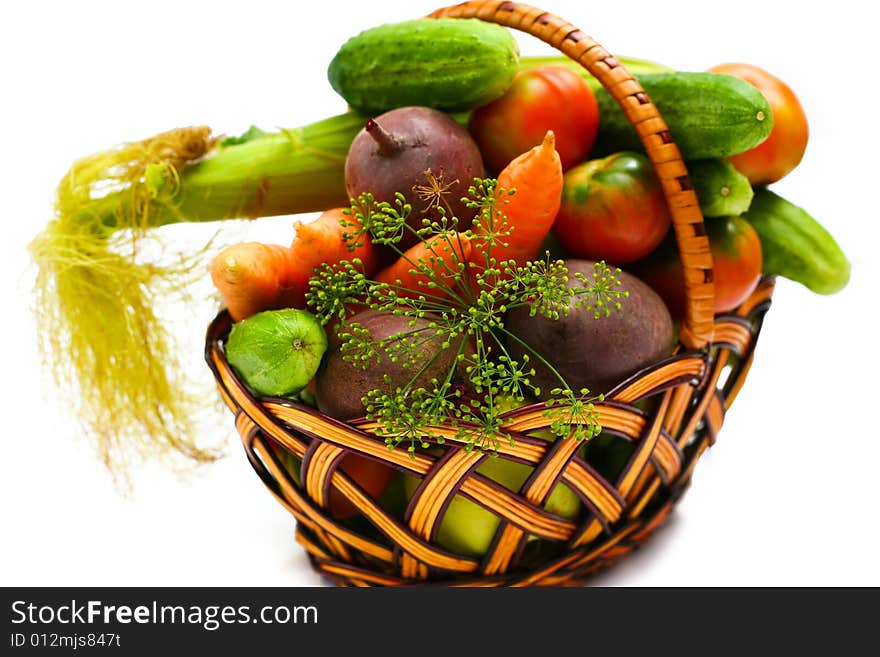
(529, 213)
(253, 277)
(323, 241)
(429, 268)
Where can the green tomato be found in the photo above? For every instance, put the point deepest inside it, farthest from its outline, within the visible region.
(277, 352)
(468, 529)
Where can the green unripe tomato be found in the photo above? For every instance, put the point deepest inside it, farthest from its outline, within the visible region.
(277, 352)
(467, 528)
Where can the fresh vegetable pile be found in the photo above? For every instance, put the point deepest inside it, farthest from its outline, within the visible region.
(492, 235)
(477, 265)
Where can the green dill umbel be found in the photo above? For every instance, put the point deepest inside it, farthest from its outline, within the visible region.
(462, 303)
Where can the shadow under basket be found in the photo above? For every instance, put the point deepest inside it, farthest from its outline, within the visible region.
(665, 416)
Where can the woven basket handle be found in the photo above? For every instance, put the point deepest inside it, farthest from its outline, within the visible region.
(687, 219)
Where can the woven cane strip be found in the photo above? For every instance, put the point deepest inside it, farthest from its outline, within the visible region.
(328, 539)
(645, 450)
(433, 493)
(609, 415)
(601, 496)
(431, 498)
(481, 490)
(511, 507)
(575, 557)
(693, 244)
(736, 383)
(667, 459)
(626, 422)
(370, 509)
(227, 400)
(710, 406)
(714, 417)
(365, 576)
(398, 533)
(755, 307)
(644, 478)
(313, 513)
(316, 468)
(344, 435)
(668, 373)
(760, 296)
(531, 451)
(602, 549)
(701, 447)
(666, 462)
(311, 547)
(705, 397)
(509, 539)
(249, 433)
(636, 465)
(733, 333)
(678, 406)
(246, 404)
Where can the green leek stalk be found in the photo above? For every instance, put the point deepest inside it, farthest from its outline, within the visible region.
(288, 172)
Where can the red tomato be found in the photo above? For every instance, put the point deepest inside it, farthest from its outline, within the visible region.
(736, 260)
(783, 150)
(612, 209)
(368, 474)
(546, 98)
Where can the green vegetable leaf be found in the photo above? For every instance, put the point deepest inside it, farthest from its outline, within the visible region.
(248, 135)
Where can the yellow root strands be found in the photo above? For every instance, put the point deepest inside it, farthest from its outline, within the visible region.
(95, 303)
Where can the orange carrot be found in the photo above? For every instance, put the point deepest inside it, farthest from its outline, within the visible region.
(442, 256)
(253, 277)
(536, 175)
(250, 276)
(320, 241)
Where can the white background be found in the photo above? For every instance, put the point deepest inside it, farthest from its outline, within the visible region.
(788, 496)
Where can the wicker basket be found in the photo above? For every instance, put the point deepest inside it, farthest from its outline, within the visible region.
(690, 390)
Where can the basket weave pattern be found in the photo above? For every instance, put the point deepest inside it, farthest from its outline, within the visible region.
(691, 390)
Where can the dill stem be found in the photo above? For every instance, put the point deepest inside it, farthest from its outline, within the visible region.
(552, 369)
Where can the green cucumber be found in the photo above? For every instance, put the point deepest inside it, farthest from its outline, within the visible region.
(722, 190)
(448, 63)
(637, 67)
(709, 115)
(795, 245)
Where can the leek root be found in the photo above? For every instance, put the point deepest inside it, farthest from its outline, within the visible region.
(95, 298)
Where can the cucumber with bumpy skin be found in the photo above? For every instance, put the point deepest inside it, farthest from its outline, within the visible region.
(722, 190)
(637, 67)
(709, 115)
(447, 63)
(795, 245)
